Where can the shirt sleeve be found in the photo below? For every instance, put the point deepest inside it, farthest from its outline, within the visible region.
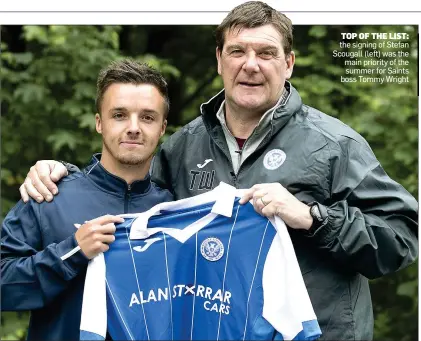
(93, 322)
(287, 306)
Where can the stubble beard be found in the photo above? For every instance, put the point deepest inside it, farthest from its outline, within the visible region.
(127, 160)
(131, 160)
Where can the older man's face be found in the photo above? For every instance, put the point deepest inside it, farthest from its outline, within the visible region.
(254, 68)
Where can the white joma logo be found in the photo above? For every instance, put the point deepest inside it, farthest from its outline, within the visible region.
(148, 243)
(204, 163)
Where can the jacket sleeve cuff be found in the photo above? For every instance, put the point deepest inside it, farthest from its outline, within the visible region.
(71, 255)
(325, 233)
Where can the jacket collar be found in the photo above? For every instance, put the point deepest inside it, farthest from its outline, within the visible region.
(282, 112)
(112, 183)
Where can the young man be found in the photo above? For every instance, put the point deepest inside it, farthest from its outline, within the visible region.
(44, 255)
(348, 220)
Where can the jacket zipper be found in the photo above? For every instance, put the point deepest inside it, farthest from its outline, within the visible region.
(235, 173)
(127, 198)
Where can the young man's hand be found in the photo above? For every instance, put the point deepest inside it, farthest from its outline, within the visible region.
(95, 235)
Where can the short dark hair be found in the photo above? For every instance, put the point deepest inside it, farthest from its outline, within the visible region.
(255, 14)
(129, 71)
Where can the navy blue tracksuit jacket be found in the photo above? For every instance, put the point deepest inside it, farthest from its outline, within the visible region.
(35, 237)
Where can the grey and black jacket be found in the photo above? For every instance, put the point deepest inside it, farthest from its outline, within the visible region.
(371, 229)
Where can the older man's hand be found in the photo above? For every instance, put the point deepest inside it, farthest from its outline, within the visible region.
(271, 199)
(39, 183)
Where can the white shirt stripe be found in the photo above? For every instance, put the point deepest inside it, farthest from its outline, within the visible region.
(252, 280)
(138, 285)
(118, 310)
(169, 284)
(225, 270)
(194, 297)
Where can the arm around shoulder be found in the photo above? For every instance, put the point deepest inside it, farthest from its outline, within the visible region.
(40, 181)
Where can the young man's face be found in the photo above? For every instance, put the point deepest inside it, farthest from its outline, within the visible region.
(254, 68)
(131, 122)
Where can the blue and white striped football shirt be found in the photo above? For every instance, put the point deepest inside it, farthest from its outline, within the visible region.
(202, 268)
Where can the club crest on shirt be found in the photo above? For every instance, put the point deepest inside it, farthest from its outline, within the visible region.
(274, 159)
(212, 249)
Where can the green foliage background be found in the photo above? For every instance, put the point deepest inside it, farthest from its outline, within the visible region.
(48, 76)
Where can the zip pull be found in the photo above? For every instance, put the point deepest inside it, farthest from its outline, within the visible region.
(129, 187)
(239, 153)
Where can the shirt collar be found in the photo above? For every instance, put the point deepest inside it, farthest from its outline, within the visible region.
(112, 183)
